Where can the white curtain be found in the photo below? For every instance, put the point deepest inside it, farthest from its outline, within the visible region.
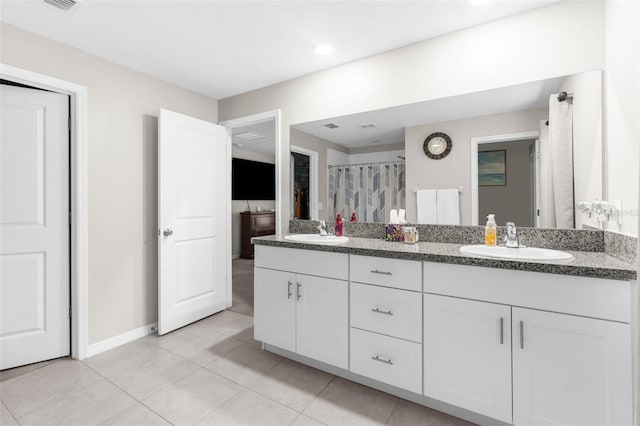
(556, 166)
(369, 190)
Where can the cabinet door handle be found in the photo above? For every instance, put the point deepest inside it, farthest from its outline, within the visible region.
(521, 334)
(298, 294)
(379, 311)
(375, 271)
(501, 330)
(289, 293)
(383, 360)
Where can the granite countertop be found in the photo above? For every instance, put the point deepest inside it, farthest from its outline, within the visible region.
(586, 264)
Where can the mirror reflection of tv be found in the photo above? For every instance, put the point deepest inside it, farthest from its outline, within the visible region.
(252, 180)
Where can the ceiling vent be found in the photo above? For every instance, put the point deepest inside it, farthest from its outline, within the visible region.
(62, 4)
(331, 125)
(249, 136)
(367, 125)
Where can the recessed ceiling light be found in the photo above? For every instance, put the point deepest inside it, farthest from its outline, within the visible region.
(331, 125)
(367, 125)
(323, 49)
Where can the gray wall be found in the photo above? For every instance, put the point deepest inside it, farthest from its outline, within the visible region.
(513, 202)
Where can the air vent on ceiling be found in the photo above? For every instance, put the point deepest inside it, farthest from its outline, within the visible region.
(62, 4)
(367, 125)
(331, 125)
(249, 136)
(376, 141)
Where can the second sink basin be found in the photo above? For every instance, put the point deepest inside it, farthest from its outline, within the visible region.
(316, 238)
(519, 253)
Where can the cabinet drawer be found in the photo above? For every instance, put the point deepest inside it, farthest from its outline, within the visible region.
(585, 296)
(309, 262)
(386, 359)
(404, 274)
(389, 311)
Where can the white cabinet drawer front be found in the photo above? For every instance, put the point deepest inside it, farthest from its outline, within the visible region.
(397, 313)
(585, 296)
(310, 262)
(386, 359)
(404, 274)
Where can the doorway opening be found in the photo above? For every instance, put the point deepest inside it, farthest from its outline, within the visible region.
(301, 165)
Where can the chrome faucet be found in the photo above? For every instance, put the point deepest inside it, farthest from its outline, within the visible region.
(511, 239)
(323, 228)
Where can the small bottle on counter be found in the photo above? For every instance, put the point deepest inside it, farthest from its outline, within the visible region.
(353, 217)
(338, 226)
(490, 231)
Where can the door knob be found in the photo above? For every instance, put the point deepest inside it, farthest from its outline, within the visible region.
(168, 232)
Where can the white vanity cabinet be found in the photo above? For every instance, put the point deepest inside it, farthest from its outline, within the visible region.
(569, 356)
(386, 320)
(300, 312)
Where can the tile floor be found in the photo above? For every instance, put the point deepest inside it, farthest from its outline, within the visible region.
(211, 372)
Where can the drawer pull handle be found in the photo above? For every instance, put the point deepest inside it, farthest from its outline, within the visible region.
(383, 360)
(298, 294)
(375, 271)
(289, 293)
(501, 330)
(379, 311)
(521, 334)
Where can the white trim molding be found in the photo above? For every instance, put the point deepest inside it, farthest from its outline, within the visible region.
(313, 179)
(520, 136)
(121, 339)
(79, 211)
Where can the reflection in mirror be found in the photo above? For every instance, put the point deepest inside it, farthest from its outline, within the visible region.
(530, 180)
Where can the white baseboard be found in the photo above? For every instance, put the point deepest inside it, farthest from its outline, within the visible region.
(120, 339)
(235, 256)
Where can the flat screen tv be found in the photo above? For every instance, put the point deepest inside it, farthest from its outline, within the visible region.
(252, 180)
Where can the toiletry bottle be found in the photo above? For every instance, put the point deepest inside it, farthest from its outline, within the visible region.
(353, 217)
(490, 231)
(338, 226)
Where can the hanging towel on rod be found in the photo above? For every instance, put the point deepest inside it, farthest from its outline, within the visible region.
(448, 210)
(427, 213)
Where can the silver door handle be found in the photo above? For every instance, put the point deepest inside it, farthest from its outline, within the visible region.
(168, 232)
(521, 334)
(383, 360)
(298, 294)
(289, 293)
(501, 331)
(379, 311)
(375, 271)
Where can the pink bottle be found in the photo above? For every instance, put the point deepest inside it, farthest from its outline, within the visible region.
(338, 225)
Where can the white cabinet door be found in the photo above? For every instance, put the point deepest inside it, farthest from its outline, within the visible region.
(570, 370)
(467, 354)
(275, 308)
(323, 319)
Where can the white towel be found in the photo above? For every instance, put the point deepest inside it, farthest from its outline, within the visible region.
(427, 212)
(448, 211)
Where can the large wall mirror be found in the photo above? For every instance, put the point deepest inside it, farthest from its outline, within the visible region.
(527, 153)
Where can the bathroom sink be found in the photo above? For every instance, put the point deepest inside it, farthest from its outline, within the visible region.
(316, 238)
(519, 253)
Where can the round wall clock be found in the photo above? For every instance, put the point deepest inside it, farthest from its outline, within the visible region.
(437, 145)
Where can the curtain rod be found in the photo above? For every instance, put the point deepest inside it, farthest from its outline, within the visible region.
(368, 164)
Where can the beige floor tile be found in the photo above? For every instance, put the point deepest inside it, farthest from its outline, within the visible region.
(19, 371)
(303, 420)
(227, 322)
(34, 390)
(408, 414)
(292, 384)
(82, 407)
(192, 398)
(245, 364)
(6, 419)
(247, 408)
(347, 403)
(131, 356)
(137, 415)
(198, 344)
(154, 376)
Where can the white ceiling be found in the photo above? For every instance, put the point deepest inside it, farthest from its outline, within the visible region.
(266, 145)
(391, 122)
(223, 48)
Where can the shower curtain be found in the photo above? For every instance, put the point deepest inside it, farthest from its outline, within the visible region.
(556, 166)
(369, 190)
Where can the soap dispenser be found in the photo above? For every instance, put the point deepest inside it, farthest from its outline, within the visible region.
(490, 231)
(338, 226)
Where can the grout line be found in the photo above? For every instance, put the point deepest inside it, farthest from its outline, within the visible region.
(317, 395)
(9, 411)
(395, 406)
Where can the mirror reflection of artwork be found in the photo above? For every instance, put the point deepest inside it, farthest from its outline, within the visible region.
(492, 168)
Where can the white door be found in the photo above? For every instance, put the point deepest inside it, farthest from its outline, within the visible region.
(322, 318)
(467, 354)
(194, 219)
(570, 370)
(275, 308)
(34, 226)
